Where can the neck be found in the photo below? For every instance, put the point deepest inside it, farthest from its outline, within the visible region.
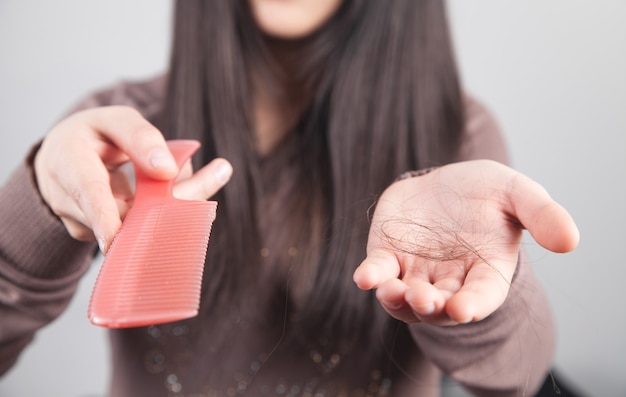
(278, 103)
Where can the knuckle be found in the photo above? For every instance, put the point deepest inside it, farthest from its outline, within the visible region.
(90, 197)
(76, 194)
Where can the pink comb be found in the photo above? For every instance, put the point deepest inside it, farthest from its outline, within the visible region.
(152, 272)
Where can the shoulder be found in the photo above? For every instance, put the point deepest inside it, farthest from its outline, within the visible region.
(482, 136)
(145, 95)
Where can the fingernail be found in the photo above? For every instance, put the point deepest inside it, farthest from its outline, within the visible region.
(162, 159)
(101, 245)
(223, 172)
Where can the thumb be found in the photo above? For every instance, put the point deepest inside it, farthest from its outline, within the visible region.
(548, 222)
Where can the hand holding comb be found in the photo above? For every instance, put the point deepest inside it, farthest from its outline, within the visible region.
(152, 273)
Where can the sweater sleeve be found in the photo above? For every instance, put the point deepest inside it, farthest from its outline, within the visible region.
(482, 138)
(510, 352)
(40, 263)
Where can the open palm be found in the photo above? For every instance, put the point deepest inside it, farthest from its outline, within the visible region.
(443, 247)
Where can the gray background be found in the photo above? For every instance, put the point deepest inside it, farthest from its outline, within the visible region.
(552, 72)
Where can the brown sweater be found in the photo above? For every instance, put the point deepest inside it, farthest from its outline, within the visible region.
(506, 354)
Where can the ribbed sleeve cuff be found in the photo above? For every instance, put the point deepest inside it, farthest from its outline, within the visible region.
(32, 238)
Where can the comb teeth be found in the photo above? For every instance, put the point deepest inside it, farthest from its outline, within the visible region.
(153, 271)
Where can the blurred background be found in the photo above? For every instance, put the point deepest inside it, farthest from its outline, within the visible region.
(553, 72)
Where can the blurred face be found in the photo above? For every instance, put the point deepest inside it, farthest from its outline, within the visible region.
(292, 19)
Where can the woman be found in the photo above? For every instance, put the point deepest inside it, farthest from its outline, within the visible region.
(317, 107)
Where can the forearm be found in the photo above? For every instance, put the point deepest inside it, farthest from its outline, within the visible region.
(506, 354)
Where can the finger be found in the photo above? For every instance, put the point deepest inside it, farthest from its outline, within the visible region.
(132, 134)
(424, 299)
(87, 183)
(379, 266)
(75, 221)
(69, 202)
(75, 183)
(206, 182)
(548, 222)
(390, 294)
(483, 292)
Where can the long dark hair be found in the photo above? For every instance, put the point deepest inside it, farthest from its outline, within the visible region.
(383, 97)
